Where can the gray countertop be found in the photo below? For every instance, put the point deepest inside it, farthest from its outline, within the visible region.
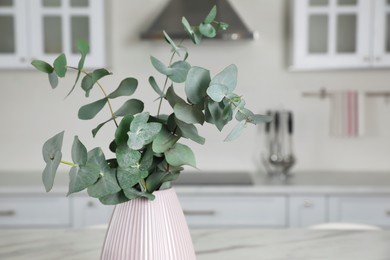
(310, 182)
(209, 244)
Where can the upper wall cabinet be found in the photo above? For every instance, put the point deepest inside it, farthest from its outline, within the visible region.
(337, 34)
(41, 29)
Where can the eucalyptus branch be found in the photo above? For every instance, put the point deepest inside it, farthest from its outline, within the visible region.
(104, 93)
(239, 110)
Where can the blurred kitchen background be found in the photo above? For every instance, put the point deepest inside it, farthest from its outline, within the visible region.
(335, 178)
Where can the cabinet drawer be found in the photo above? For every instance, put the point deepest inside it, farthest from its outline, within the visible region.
(366, 210)
(88, 212)
(305, 211)
(34, 211)
(245, 211)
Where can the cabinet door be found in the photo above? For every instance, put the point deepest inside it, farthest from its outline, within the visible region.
(57, 26)
(382, 33)
(305, 211)
(88, 212)
(331, 34)
(13, 49)
(364, 210)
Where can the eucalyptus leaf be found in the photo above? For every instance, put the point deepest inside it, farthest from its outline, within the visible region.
(96, 156)
(114, 199)
(257, 119)
(134, 193)
(189, 131)
(83, 47)
(121, 136)
(53, 79)
(106, 185)
(127, 157)
(98, 74)
(173, 98)
(155, 87)
(217, 92)
(161, 67)
(197, 36)
(87, 84)
(128, 177)
(139, 121)
(50, 170)
(207, 30)
(126, 88)
(188, 113)
(156, 179)
(96, 129)
(223, 26)
(236, 132)
(82, 177)
(89, 111)
(187, 27)
(60, 65)
(79, 152)
(147, 158)
(211, 16)
(42, 66)
(216, 112)
(130, 107)
(227, 77)
(197, 82)
(143, 136)
(179, 155)
(179, 71)
(164, 140)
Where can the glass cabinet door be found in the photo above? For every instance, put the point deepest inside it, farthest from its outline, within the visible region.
(331, 33)
(381, 53)
(60, 24)
(13, 50)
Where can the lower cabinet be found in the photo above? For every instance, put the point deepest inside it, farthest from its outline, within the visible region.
(373, 210)
(89, 212)
(234, 211)
(305, 211)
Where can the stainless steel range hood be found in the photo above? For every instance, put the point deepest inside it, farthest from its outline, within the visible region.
(195, 11)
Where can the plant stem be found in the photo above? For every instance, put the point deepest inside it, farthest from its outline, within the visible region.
(142, 183)
(239, 110)
(69, 163)
(166, 81)
(104, 93)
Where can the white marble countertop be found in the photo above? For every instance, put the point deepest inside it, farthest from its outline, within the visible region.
(310, 182)
(209, 244)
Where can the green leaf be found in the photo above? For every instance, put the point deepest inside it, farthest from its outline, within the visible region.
(53, 79)
(96, 156)
(106, 185)
(179, 155)
(142, 134)
(121, 132)
(96, 129)
(188, 113)
(217, 92)
(87, 84)
(207, 30)
(52, 155)
(130, 107)
(160, 67)
(139, 121)
(257, 119)
(197, 82)
(173, 98)
(179, 71)
(211, 16)
(98, 74)
(155, 87)
(156, 179)
(147, 158)
(89, 111)
(82, 177)
(223, 26)
(189, 131)
(187, 27)
(83, 47)
(79, 152)
(134, 193)
(60, 65)
(114, 199)
(129, 177)
(164, 140)
(42, 66)
(197, 36)
(127, 157)
(126, 88)
(216, 111)
(236, 132)
(227, 77)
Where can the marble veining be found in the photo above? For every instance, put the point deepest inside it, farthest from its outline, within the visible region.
(220, 244)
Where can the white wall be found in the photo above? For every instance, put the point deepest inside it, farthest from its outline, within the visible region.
(31, 112)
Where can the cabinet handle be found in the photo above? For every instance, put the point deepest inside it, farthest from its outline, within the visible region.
(90, 204)
(7, 213)
(308, 204)
(199, 212)
(378, 58)
(367, 59)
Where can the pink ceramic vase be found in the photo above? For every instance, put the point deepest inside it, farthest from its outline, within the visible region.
(149, 230)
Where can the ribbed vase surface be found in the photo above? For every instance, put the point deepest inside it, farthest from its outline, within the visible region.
(149, 230)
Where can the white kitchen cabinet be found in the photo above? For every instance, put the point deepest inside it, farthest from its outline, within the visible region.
(338, 34)
(234, 211)
(41, 29)
(305, 211)
(34, 211)
(89, 212)
(372, 210)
